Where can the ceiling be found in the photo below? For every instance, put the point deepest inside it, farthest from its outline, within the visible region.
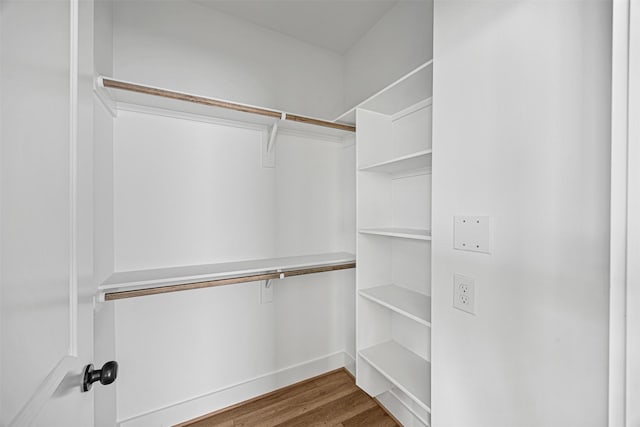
(331, 24)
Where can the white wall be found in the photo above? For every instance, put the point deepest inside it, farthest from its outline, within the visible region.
(186, 46)
(398, 43)
(522, 133)
(188, 192)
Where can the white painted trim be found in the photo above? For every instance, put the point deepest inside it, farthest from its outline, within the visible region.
(409, 408)
(45, 391)
(618, 243)
(238, 392)
(100, 92)
(350, 363)
(73, 177)
(400, 409)
(633, 223)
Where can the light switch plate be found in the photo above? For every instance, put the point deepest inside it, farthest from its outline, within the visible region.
(472, 233)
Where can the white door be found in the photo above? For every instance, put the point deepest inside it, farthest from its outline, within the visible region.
(45, 213)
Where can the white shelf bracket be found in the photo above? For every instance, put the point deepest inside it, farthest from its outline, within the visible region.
(274, 132)
(268, 142)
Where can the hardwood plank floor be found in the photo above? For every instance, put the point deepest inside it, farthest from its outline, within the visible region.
(332, 399)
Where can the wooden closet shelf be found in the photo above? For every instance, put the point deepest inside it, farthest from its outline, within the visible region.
(130, 284)
(128, 93)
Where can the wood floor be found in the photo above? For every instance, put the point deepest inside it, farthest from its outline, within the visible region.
(328, 400)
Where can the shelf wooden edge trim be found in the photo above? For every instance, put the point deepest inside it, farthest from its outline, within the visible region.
(180, 96)
(322, 269)
(112, 296)
(212, 102)
(318, 122)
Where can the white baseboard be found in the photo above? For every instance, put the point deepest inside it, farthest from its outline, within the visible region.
(350, 364)
(403, 409)
(236, 393)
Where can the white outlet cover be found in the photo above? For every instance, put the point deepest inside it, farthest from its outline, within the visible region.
(464, 293)
(472, 233)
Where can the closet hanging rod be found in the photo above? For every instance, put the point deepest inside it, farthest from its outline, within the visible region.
(212, 102)
(111, 296)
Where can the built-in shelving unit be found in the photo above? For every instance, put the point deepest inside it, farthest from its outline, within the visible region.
(406, 370)
(393, 303)
(129, 284)
(120, 94)
(411, 304)
(404, 233)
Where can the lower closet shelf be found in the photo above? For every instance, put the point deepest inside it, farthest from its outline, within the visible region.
(405, 369)
(129, 284)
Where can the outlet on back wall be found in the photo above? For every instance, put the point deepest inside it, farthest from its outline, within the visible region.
(464, 293)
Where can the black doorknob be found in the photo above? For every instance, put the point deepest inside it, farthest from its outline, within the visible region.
(106, 375)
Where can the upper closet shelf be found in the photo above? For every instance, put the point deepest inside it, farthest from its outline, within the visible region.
(128, 284)
(405, 92)
(126, 94)
(419, 160)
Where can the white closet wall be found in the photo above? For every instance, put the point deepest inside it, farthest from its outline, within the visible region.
(193, 191)
(401, 41)
(522, 133)
(190, 47)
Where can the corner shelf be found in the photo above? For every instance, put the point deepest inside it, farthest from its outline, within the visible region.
(408, 90)
(411, 304)
(405, 369)
(404, 233)
(122, 95)
(413, 161)
(129, 284)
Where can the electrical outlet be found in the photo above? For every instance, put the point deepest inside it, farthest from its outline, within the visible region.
(464, 295)
(266, 291)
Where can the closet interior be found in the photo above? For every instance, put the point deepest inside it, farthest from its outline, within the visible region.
(263, 207)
